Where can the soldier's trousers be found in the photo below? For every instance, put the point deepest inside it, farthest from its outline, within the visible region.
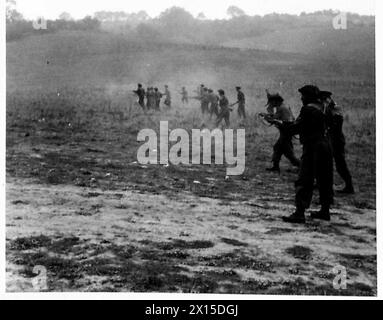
(339, 154)
(316, 164)
(204, 107)
(284, 147)
(214, 109)
(241, 110)
(141, 102)
(224, 115)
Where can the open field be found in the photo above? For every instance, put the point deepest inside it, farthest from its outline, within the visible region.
(79, 204)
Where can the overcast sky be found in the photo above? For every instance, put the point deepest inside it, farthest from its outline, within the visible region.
(215, 9)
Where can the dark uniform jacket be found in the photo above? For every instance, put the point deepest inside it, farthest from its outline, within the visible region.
(310, 124)
(224, 104)
(241, 97)
(334, 118)
(140, 92)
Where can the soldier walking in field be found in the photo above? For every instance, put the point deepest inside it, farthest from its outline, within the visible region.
(316, 157)
(334, 116)
(168, 98)
(184, 96)
(241, 103)
(140, 92)
(157, 97)
(224, 109)
(284, 145)
(199, 90)
(150, 98)
(214, 101)
(205, 99)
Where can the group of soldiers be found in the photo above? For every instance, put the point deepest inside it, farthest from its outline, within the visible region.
(319, 126)
(218, 104)
(153, 97)
(213, 104)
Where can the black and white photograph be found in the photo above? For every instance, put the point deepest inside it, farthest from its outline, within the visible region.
(190, 147)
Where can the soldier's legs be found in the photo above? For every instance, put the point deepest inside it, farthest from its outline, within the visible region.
(277, 152)
(227, 119)
(341, 164)
(219, 119)
(324, 178)
(241, 111)
(288, 152)
(305, 183)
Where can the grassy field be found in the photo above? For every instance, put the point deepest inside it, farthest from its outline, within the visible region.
(79, 204)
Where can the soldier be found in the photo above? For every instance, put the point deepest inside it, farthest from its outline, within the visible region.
(214, 100)
(241, 103)
(316, 158)
(337, 140)
(184, 96)
(168, 98)
(140, 92)
(157, 96)
(225, 110)
(150, 98)
(205, 101)
(284, 145)
(199, 90)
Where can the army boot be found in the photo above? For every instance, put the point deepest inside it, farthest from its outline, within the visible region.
(348, 189)
(274, 168)
(297, 217)
(322, 214)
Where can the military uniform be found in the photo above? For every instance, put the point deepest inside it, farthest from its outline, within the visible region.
(150, 99)
(205, 102)
(241, 104)
(213, 101)
(184, 98)
(334, 116)
(157, 96)
(140, 92)
(168, 99)
(224, 112)
(316, 161)
(284, 145)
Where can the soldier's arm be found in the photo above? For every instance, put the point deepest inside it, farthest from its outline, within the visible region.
(296, 126)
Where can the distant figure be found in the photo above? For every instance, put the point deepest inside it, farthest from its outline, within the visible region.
(140, 92)
(168, 99)
(150, 98)
(157, 96)
(184, 96)
(224, 109)
(214, 101)
(205, 101)
(199, 90)
(334, 117)
(241, 103)
(284, 145)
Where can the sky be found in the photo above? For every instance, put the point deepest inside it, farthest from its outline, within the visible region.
(213, 9)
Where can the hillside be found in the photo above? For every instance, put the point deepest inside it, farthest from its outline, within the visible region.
(355, 43)
(99, 58)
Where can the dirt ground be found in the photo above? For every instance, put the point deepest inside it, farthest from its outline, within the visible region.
(79, 205)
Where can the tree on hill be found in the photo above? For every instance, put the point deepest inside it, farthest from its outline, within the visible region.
(235, 12)
(201, 16)
(65, 16)
(11, 13)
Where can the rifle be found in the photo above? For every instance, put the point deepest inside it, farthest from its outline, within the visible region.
(269, 119)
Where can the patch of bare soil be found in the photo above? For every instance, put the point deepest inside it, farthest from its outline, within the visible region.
(134, 241)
